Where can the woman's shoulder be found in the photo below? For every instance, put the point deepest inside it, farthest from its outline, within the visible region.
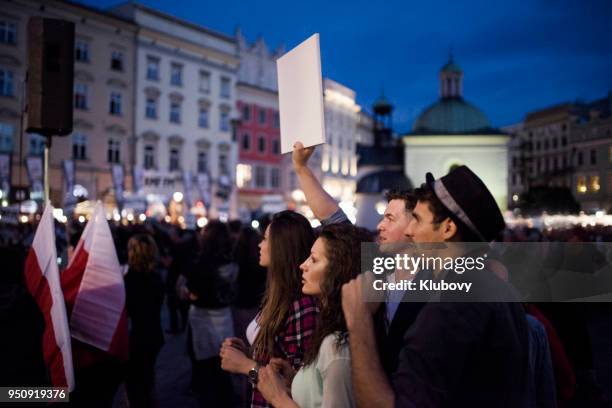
(331, 350)
(303, 306)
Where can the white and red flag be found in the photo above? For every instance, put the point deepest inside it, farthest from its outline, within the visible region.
(43, 282)
(95, 293)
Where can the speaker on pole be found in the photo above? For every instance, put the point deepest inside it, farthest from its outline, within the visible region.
(50, 80)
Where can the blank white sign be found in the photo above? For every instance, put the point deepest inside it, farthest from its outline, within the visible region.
(300, 95)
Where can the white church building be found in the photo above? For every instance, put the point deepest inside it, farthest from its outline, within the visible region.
(452, 132)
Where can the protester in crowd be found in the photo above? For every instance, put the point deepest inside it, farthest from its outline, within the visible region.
(324, 380)
(286, 321)
(455, 353)
(212, 286)
(182, 246)
(144, 298)
(251, 280)
(400, 314)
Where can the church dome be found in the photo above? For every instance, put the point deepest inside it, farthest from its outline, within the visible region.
(451, 115)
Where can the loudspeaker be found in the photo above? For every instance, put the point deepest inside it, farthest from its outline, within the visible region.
(50, 80)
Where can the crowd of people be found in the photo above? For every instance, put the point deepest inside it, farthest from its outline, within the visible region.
(278, 316)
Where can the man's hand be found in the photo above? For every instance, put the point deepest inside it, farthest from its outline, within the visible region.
(301, 155)
(356, 303)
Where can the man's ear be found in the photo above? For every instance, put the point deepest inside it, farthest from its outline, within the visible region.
(448, 229)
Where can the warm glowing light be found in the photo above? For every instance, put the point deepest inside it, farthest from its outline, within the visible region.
(23, 219)
(202, 221)
(142, 217)
(130, 217)
(381, 206)
(177, 196)
(255, 224)
(81, 219)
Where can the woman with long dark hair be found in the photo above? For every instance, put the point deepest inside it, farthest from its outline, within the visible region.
(324, 379)
(285, 323)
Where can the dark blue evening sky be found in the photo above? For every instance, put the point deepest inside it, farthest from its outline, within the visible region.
(517, 56)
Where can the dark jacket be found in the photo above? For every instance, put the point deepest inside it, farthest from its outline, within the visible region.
(213, 280)
(471, 354)
(144, 298)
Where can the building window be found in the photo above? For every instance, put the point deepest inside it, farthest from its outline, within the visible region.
(175, 160)
(246, 142)
(225, 87)
(37, 144)
(262, 117)
(223, 168)
(153, 68)
(80, 96)
(246, 113)
(8, 32)
(580, 159)
(6, 137)
(113, 154)
(204, 81)
(594, 184)
(81, 51)
(555, 163)
(593, 157)
(79, 146)
(260, 176)
(564, 141)
(546, 144)
(276, 146)
(610, 153)
(224, 121)
(581, 186)
(176, 74)
(276, 120)
(243, 175)
(175, 112)
(538, 145)
(6, 82)
(202, 162)
(261, 144)
(203, 118)
(117, 61)
(115, 103)
(275, 177)
(151, 108)
(149, 157)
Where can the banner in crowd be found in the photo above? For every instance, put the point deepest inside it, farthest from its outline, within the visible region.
(94, 290)
(69, 198)
(203, 181)
(187, 189)
(5, 175)
(117, 173)
(138, 179)
(34, 166)
(43, 282)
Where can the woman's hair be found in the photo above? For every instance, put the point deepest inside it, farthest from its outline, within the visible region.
(290, 239)
(215, 241)
(342, 243)
(142, 253)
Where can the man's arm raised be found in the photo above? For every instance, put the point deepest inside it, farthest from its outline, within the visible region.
(321, 203)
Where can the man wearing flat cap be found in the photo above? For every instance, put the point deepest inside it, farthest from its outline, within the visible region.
(456, 353)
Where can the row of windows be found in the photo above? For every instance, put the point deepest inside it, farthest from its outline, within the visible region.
(177, 77)
(245, 144)
(262, 116)
(82, 54)
(554, 143)
(175, 114)
(81, 99)
(174, 159)
(245, 179)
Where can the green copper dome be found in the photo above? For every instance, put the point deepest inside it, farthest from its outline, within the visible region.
(451, 116)
(450, 66)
